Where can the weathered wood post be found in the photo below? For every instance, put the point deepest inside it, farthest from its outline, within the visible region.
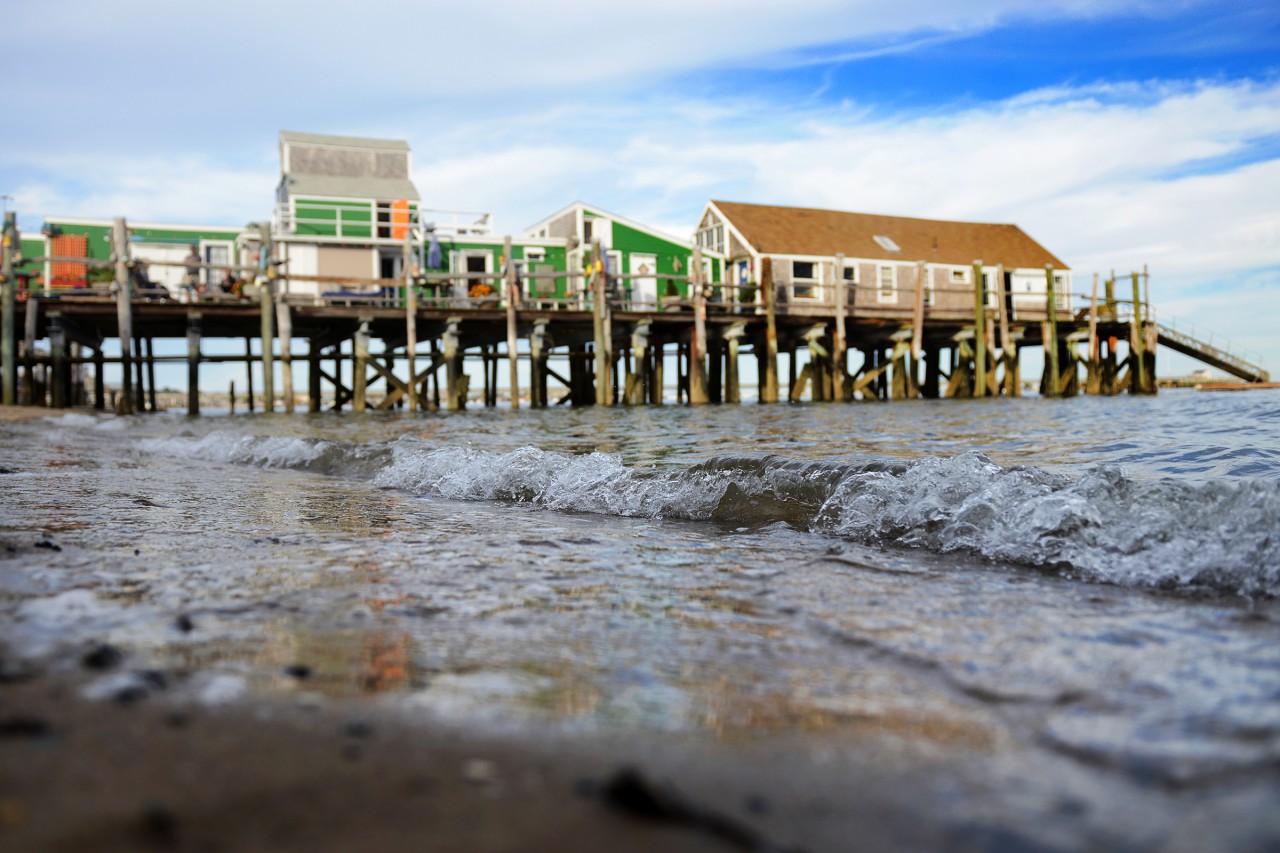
(539, 345)
(1093, 377)
(1008, 346)
(769, 393)
(313, 374)
(29, 353)
(124, 311)
(1152, 332)
(248, 371)
(657, 390)
(513, 302)
(360, 367)
(267, 307)
(698, 340)
(99, 381)
(637, 381)
(231, 397)
(456, 383)
(839, 344)
(1050, 336)
(410, 320)
(603, 383)
(9, 342)
(732, 387)
(1138, 367)
(979, 332)
(58, 361)
(284, 318)
(917, 321)
(193, 362)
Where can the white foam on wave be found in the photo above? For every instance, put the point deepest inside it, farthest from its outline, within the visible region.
(595, 482)
(1102, 526)
(265, 452)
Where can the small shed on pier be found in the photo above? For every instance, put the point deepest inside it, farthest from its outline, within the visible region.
(656, 263)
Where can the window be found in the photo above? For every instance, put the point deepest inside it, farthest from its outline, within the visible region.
(960, 276)
(586, 230)
(712, 237)
(888, 282)
(885, 243)
(804, 279)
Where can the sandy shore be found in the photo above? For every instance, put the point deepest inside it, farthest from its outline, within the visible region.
(26, 413)
(147, 774)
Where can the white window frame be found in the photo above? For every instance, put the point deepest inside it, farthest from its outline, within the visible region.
(959, 275)
(813, 285)
(890, 296)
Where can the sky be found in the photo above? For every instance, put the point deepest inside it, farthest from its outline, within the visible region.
(1120, 134)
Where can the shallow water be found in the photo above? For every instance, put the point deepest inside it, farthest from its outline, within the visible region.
(1068, 606)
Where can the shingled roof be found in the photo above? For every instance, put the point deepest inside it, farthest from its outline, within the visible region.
(808, 231)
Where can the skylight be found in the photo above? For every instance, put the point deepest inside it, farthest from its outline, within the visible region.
(886, 244)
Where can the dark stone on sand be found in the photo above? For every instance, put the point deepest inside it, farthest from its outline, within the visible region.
(104, 656)
(16, 672)
(137, 552)
(130, 695)
(154, 678)
(160, 824)
(45, 543)
(184, 624)
(298, 670)
(4, 470)
(23, 727)
(358, 728)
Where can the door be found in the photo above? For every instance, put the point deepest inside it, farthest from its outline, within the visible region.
(644, 286)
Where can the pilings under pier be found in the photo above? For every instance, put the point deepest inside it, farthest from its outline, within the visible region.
(359, 357)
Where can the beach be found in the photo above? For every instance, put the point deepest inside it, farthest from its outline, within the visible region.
(818, 628)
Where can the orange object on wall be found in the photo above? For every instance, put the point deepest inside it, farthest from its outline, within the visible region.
(66, 273)
(399, 219)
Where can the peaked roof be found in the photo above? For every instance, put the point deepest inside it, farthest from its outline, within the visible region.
(772, 229)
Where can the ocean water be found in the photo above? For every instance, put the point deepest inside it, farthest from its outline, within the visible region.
(1063, 612)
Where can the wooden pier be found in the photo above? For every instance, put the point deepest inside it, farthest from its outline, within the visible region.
(408, 346)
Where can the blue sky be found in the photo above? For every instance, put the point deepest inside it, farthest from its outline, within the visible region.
(1116, 132)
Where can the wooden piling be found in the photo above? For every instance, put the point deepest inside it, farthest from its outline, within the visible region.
(58, 361)
(284, 319)
(267, 308)
(698, 340)
(456, 381)
(231, 398)
(410, 321)
(513, 302)
(839, 342)
(248, 372)
(313, 375)
(732, 387)
(193, 362)
(979, 333)
(124, 311)
(9, 338)
(1138, 367)
(1050, 335)
(603, 383)
(769, 391)
(1093, 376)
(539, 346)
(360, 368)
(657, 391)
(29, 352)
(1008, 347)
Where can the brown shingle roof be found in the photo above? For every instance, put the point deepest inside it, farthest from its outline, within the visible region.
(808, 231)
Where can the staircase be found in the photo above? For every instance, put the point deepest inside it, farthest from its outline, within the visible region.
(1210, 355)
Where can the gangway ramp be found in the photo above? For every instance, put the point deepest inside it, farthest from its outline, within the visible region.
(1210, 354)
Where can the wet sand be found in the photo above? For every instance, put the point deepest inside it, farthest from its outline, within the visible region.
(138, 773)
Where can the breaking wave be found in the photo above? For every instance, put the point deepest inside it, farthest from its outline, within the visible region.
(1103, 526)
